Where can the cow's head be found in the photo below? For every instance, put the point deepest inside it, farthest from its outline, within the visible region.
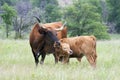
(63, 48)
(49, 34)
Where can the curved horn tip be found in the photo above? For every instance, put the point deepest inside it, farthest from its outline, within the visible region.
(38, 19)
(61, 28)
(65, 22)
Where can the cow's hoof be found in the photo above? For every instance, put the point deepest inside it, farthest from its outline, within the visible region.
(41, 62)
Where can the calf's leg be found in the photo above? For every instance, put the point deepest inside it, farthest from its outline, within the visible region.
(91, 60)
(80, 57)
(65, 59)
(56, 57)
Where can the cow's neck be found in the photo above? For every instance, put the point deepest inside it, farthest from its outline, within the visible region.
(49, 47)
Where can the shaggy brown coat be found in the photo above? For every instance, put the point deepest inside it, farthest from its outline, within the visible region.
(62, 50)
(83, 46)
(37, 39)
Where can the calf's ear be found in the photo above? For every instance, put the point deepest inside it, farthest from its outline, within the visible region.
(61, 40)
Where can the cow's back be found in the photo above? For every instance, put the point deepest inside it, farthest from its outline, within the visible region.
(53, 25)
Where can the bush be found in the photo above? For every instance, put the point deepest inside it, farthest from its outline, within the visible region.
(85, 19)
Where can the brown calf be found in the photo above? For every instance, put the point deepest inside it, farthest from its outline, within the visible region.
(82, 46)
(62, 50)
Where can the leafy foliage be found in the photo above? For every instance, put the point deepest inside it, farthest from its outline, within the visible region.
(114, 13)
(85, 19)
(9, 13)
(52, 13)
(2, 2)
(7, 16)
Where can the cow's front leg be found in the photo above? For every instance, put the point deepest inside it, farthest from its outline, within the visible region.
(35, 57)
(43, 54)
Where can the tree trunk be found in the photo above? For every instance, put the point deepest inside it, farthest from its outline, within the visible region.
(17, 35)
(20, 27)
(16, 28)
(104, 11)
(18, 23)
(7, 31)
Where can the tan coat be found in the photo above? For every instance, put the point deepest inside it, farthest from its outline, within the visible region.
(83, 46)
(62, 50)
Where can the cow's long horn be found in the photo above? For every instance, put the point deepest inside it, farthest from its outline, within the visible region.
(61, 28)
(38, 19)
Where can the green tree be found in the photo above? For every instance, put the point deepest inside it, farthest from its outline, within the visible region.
(84, 18)
(7, 16)
(36, 3)
(50, 10)
(2, 2)
(52, 13)
(114, 13)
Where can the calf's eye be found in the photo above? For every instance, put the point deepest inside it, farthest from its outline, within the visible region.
(64, 48)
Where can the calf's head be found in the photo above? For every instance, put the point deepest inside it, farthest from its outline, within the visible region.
(62, 48)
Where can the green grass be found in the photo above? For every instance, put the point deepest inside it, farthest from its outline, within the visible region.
(115, 36)
(17, 63)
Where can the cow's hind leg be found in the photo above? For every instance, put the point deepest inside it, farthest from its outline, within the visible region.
(35, 57)
(43, 54)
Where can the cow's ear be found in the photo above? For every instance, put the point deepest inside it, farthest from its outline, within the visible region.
(42, 30)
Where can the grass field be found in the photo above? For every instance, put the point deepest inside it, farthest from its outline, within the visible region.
(17, 63)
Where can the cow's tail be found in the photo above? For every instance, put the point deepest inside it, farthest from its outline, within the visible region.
(94, 41)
